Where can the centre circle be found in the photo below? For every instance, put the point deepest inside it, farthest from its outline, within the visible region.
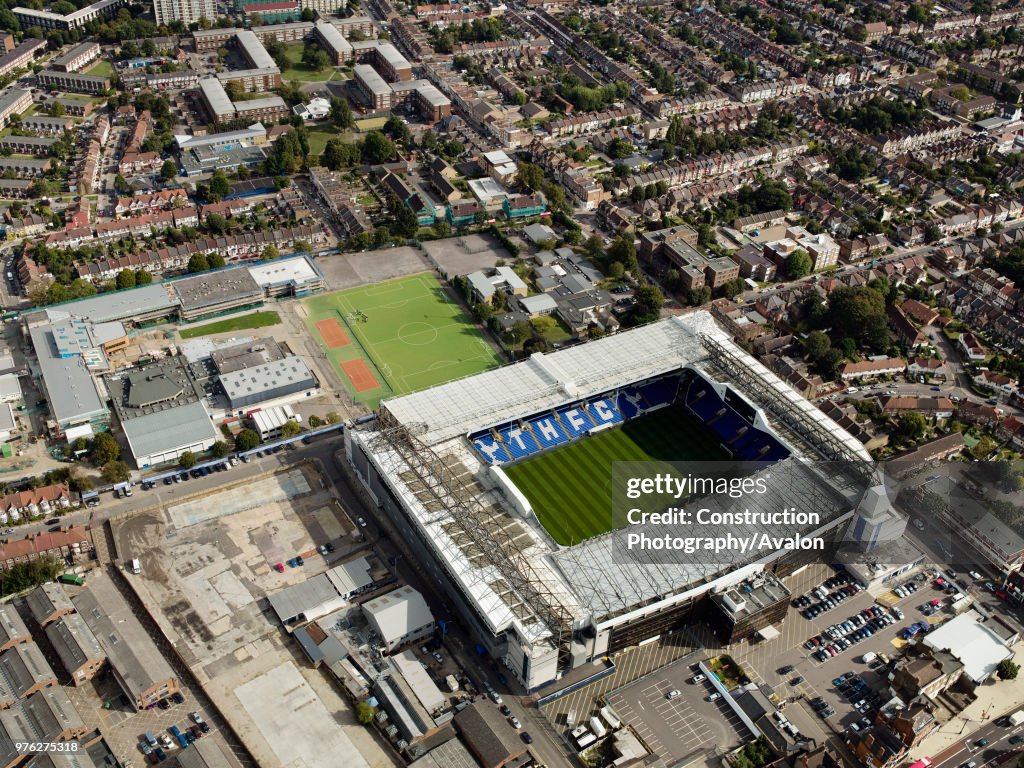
(407, 331)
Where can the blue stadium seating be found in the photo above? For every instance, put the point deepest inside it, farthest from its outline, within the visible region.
(520, 439)
(519, 442)
(749, 445)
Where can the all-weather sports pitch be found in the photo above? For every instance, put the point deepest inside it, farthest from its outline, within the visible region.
(570, 487)
(406, 335)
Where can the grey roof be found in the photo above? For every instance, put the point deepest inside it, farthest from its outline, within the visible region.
(73, 54)
(118, 305)
(542, 302)
(10, 97)
(43, 716)
(12, 626)
(369, 77)
(79, 759)
(157, 386)
(350, 577)
(251, 353)
(48, 599)
(169, 430)
(38, 141)
(214, 288)
(451, 754)
(265, 102)
(289, 371)
(206, 753)
(69, 385)
(254, 50)
(333, 38)
(310, 598)
(22, 667)
(73, 641)
(128, 646)
(398, 612)
(24, 162)
(216, 97)
(47, 121)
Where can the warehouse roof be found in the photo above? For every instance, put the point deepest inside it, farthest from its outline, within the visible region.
(266, 378)
(398, 612)
(169, 430)
(128, 646)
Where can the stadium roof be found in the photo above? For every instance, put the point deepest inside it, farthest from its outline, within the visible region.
(547, 380)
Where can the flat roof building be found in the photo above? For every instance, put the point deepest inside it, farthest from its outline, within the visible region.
(138, 665)
(29, 17)
(215, 292)
(160, 408)
(399, 617)
(206, 753)
(295, 276)
(972, 643)
(269, 381)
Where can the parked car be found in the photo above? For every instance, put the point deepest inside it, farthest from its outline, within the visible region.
(674, 693)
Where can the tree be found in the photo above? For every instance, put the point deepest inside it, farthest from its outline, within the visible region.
(1007, 669)
(216, 260)
(364, 713)
(125, 279)
(520, 332)
(406, 223)
(142, 277)
(246, 440)
(378, 148)
(816, 345)
(341, 113)
(859, 313)
(798, 264)
(219, 185)
(314, 421)
(308, 14)
(220, 449)
(912, 426)
(270, 253)
(332, 417)
(216, 224)
(169, 170)
(187, 460)
(649, 301)
(116, 472)
(198, 263)
(105, 449)
(290, 428)
(530, 176)
(315, 58)
(623, 250)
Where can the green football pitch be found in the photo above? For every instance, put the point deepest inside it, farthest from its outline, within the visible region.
(397, 337)
(570, 487)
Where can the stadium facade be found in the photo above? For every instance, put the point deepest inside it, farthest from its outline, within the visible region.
(433, 462)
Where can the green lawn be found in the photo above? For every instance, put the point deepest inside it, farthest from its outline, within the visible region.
(240, 323)
(318, 138)
(298, 71)
(411, 335)
(570, 487)
(101, 68)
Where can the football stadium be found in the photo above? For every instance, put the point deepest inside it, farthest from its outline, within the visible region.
(500, 483)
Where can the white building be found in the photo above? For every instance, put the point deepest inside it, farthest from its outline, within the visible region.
(399, 617)
(186, 11)
(268, 422)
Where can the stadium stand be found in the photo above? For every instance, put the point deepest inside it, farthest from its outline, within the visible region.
(524, 438)
(739, 436)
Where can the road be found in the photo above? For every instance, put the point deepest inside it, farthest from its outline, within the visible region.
(995, 751)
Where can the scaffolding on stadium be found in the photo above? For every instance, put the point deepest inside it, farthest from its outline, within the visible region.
(788, 407)
(450, 493)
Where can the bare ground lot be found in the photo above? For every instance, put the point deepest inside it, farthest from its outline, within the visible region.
(347, 270)
(464, 254)
(208, 564)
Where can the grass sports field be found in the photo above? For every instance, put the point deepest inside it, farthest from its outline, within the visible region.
(570, 488)
(396, 337)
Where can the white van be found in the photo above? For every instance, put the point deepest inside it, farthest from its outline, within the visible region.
(136, 566)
